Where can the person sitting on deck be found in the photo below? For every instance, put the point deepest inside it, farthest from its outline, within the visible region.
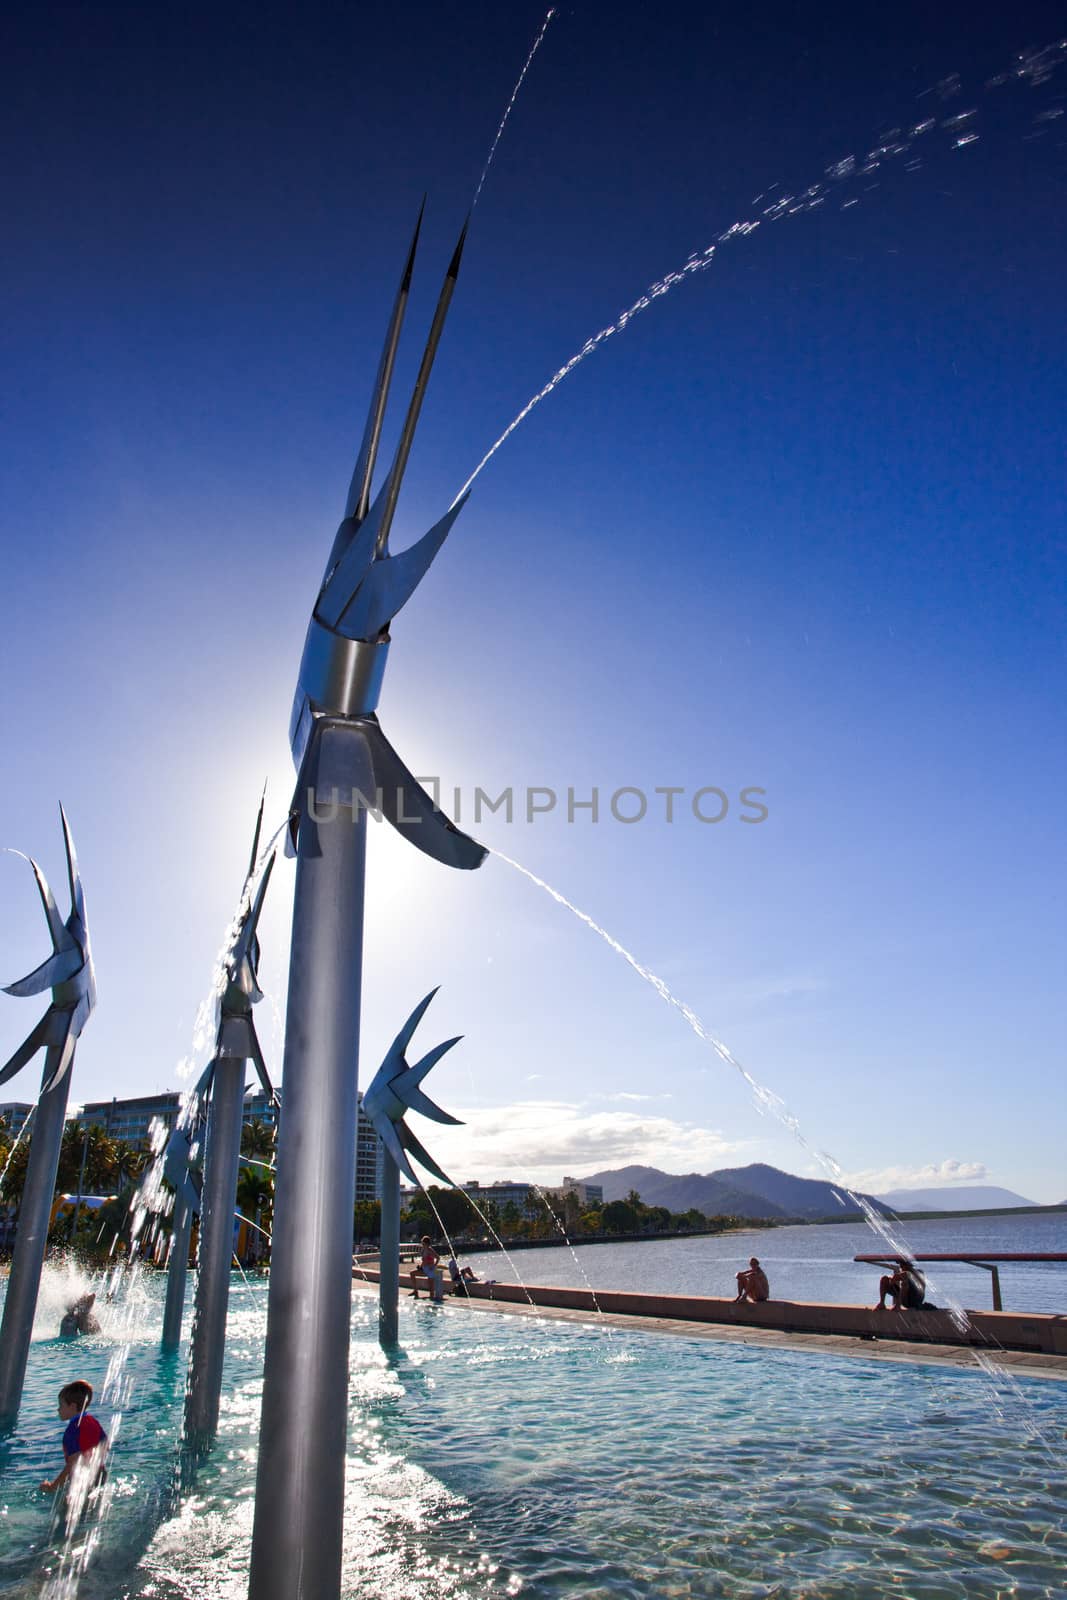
(460, 1276)
(752, 1285)
(906, 1284)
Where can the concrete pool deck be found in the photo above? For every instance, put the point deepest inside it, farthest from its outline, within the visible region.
(762, 1325)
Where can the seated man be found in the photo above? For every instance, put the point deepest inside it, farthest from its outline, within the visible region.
(752, 1285)
(906, 1284)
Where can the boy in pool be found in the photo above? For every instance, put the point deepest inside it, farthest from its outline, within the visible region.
(83, 1436)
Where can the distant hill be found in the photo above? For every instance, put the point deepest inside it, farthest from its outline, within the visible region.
(753, 1191)
(984, 1197)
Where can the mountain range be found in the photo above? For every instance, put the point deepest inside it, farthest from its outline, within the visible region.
(762, 1191)
(752, 1191)
(983, 1197)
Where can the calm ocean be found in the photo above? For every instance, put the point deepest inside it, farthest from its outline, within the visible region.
(810, 1263)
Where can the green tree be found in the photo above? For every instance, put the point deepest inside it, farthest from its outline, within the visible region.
(619, 1217)
(257, 1139)
(255, 1202)
(367, 1220)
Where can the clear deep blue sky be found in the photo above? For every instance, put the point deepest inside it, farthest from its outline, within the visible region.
(798, 527)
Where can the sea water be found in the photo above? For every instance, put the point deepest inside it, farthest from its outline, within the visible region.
(496, 1454)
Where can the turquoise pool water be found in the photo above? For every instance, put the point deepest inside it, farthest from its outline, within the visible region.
(500, 1455)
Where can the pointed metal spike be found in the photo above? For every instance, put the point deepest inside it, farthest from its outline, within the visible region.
(77, 897)
(403, 1038)
(359, 490)
(457, 254)
(259, 827)
(430, 1059)
(403, 449)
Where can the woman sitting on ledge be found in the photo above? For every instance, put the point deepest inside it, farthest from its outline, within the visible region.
(752, 1285)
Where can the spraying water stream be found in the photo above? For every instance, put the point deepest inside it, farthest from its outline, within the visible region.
(767, 1101)
(1032, 67)
(508, 109)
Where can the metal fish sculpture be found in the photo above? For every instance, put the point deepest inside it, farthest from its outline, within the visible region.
(397, 1088)
(68, 972)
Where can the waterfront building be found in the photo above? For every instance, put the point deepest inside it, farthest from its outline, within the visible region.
(15, 1113)
(587, 1194)
(131, 1120)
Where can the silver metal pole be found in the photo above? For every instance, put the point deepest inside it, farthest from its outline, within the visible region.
(298, 1527)
(389, 1253)
(31, 1239)
(177, 1273)
(221, 1161)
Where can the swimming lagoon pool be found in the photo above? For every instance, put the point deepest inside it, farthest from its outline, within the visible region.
(505, 1455)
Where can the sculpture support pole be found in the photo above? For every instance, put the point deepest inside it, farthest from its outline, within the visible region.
(31, 1239)
(298, 1528)
(389, 1253)
(221, 1161)
(177, 1273)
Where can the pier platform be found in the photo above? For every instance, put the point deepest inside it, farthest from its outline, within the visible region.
(1025, 1334)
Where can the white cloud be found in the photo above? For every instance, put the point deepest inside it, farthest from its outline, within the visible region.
(932, 1176)
(636, 1097)
(544, 1140)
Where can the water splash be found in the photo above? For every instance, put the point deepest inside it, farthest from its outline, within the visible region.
(507, 112)
(768, 1102)
(1034, 67)
(561, 1230)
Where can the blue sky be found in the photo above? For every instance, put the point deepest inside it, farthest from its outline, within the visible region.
(798, 527)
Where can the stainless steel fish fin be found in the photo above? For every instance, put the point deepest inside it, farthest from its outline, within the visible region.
(392, 580)
(422, 1156)
(261, 1067)
(419, 1101)
(397, 1049)
(56, 927)
(430, 1059)
(261, 895)
(411, 811)
(57, 968)
(65, 1060)
(28, 1048)
(351, 568)
(387, 1134)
